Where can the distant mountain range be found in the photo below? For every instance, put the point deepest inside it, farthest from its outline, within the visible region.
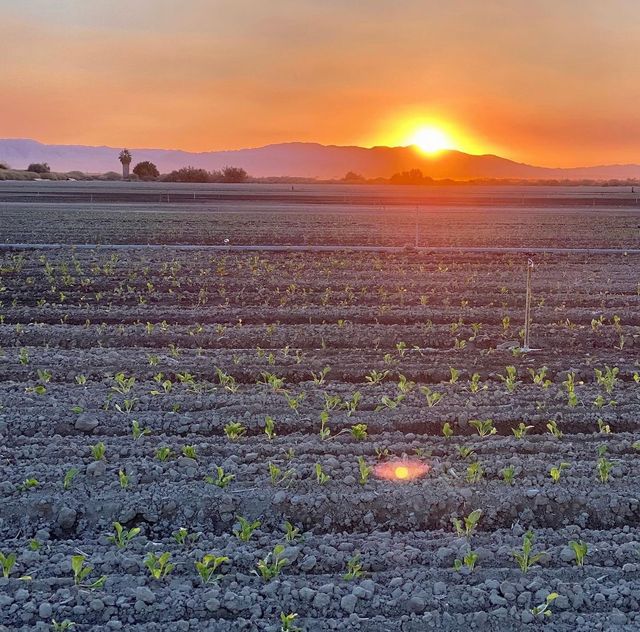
(310, 160)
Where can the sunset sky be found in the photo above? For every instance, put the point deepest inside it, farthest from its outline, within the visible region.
(546, 82)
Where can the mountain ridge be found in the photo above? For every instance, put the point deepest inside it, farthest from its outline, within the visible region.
(304, 159)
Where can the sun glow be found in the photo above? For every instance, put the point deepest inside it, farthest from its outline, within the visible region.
(427, 134)
(431, 140)
(405, 470)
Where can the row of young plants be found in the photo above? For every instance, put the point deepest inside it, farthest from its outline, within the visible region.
(211, 567)
(288, 474)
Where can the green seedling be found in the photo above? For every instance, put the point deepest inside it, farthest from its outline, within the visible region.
(159, 565)
(69, 477)
(269, 427)
(277, 475)
(475, 472)
(163, 453)
(81, 570)
(375, 377)
(61, 626)
(190, 452)
(245, 529)
(543, 608)
(468, 561)
(389, 403)
(208, 566)
(570, 385)
(234, 430)
(539, 378)
(319, 378)
(455, 374)
(331, 402)
(405, 386)
(221, 480)
(122, 536)
(271, 566)
(286, 621)
(321, 477)
(291, 532)
(123, 477)
(508, 474)
(510, 380)
(354, 568)
(467, 526)
(484, 427)
(325, 431)
(474, 383)
(465, 452)
(359, 432)
(351, 405)
(137, 431)
(603, 428)
(364, 471)
(580, 550)
(607, 378)
(525, 557)
(381, 453)
(7, 562)
(98, 451)
(447, 430)
(556, 471)
(521, 430)
(604, 468)
(184, 538)
(432, 397)
(123, 384)
(554, 430)
(28, 483)
(127, 406)
(294, 401)
(23, 356)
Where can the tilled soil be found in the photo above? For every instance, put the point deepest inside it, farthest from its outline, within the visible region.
(185, 343)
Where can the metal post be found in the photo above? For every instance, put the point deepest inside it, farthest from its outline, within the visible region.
(527, 308)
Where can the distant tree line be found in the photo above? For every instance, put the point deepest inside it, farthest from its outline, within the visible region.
(193, 174)
(415, 176)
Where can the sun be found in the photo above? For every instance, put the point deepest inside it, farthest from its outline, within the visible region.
(431, 140)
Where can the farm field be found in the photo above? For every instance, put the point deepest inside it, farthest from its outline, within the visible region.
(255, 214)
(245, 425)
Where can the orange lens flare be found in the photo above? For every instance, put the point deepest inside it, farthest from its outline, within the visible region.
(401, 470)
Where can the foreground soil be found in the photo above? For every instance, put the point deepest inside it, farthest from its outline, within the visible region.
(178, 362)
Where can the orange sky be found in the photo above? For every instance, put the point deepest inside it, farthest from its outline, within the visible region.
(546, 82)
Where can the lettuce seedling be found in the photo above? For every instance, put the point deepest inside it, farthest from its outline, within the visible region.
(321, 477)
(525, 557)
(272, 565)
(543, 608)
(221, 480)
(354, 568)
(159, 566)
(69, 477)
(287, 622)
(81, 570)
(245, 529)
(208, 566)
(122, 536)
(467, 526)
(580, 550)
(7, 561)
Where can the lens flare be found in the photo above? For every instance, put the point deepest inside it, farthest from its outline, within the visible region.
(405, 470)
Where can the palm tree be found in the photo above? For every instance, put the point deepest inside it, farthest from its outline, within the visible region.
(125, 159)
